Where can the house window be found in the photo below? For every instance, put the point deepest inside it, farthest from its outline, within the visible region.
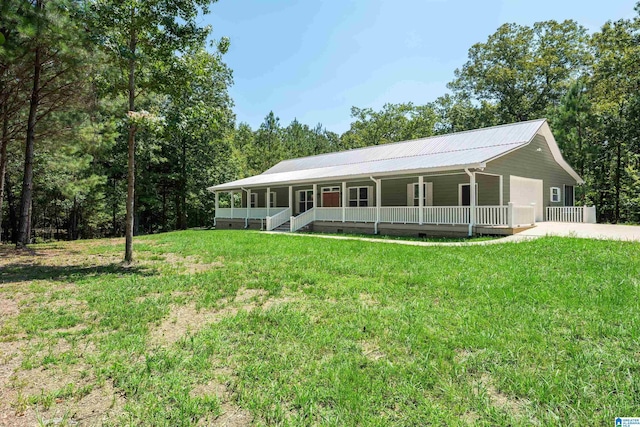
(272, 202)
(414, 192)
(358, 196)
(254, 200)
(305, 200)
(555, 194)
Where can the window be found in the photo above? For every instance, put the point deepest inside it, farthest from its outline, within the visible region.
(272, 202)
(305, 200)
(413, 192)
(555, 194)
(254, 200)
(358, 196)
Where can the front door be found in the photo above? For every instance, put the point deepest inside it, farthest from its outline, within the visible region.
(305, 200)
(568, 195)
(331, 200)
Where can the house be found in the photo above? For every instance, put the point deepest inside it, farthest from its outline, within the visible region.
(418, 187)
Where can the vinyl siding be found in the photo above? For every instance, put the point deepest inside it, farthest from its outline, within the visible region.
(528, 162)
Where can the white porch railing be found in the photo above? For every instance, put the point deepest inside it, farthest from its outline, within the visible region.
(492, 215)
(572, 214)
(360, 214)
(328, 214)
(434, 215)
(446, 215)
(278, 219)
(399, 215)
(522, 215)
(241, 213)
(305, 218)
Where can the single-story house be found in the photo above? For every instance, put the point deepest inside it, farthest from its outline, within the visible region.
(417, 187)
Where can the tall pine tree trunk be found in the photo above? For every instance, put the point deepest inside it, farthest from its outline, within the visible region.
(3, 158)
(131, 171)
(27, 182)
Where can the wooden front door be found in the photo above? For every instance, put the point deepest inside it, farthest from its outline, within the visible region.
(331, 200)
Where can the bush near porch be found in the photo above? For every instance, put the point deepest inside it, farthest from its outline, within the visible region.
(243, 327)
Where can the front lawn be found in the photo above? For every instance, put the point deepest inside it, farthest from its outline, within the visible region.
(245, 328)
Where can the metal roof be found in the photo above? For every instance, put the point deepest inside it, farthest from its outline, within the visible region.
(436, 153)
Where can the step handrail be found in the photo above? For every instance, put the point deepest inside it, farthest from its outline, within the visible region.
(305, 218)
(278, 219)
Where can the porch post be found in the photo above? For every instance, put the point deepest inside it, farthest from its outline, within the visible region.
(248, 205)
(501, 191)
(231, 196)
(421, 199)
(378, 201)
(315, 197)
(217, 203)
(268, 199)
(344, 201)
(291, 198)
(472, 202)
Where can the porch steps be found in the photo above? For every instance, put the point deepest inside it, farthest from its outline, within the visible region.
(283, 228)
(286, 228)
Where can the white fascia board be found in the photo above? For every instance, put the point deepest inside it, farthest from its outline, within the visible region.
(226, 187)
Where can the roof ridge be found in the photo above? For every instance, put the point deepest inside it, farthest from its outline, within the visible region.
(409, 140)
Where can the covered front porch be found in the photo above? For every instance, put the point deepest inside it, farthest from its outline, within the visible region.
(406, 205)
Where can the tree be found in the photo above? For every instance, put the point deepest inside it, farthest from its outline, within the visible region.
(144, 37)
(524, 70)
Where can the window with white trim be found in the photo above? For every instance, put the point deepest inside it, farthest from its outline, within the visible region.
(555, 194)
(272, 202)
(413, 192)
(254, 200)
(359, 196)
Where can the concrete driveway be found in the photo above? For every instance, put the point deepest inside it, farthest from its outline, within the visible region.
(588, 231)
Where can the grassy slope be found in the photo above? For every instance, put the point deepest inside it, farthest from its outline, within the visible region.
(363, 334)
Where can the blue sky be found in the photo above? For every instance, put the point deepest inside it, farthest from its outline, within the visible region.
(313, 60)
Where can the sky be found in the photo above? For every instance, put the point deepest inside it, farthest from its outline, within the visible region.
(315, 59)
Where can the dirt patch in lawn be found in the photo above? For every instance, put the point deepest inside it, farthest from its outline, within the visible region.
(372, 351)
(499, 399)
(8, 308)
(231, 414)
(190, 264)
(186, 319)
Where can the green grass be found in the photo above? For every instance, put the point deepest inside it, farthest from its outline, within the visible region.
(542, 332)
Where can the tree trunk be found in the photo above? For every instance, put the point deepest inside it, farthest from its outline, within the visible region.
(27, 182)
(183, 187)
(13, 217)
(131, 167)
(3, 158)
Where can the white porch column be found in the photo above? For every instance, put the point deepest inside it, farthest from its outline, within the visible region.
(231, 202)
(501, 191)
(472, 202)
(217, 202)
(345, 200)
(291, 199)
(378, 201)
(315, 196)
(268, 200)
(421, 199)
(248, 204)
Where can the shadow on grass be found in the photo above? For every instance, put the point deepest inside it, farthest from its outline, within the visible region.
(21, 272)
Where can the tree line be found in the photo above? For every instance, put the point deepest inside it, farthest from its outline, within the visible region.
(116, 115)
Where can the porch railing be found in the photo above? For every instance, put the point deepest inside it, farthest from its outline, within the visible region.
(522, 215)
(492, 215)
(399, 215)
(278, 219)
(241, 213)
(305, 218)
(572, 214)
(446, 215)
